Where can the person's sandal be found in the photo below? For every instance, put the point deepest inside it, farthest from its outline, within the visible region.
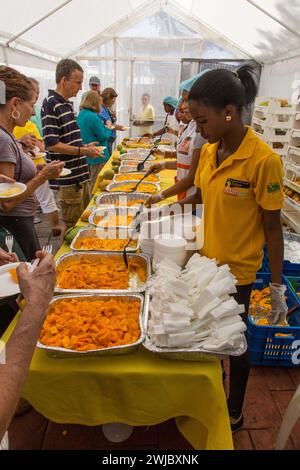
(56, 232)
(236, 423)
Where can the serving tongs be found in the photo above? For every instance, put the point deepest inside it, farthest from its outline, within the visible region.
(134, 231)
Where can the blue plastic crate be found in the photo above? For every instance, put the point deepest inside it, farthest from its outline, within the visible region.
(294, 282)
(266, 345)
(289, 269)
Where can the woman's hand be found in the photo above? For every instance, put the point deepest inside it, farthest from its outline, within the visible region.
(118, 127)
(29, 140)
(6, 258)
(278, 303)
(52, 170)
(154, 199)
(6, 179)
(156, 168)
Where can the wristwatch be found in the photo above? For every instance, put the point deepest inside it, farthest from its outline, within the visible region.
(161, 196)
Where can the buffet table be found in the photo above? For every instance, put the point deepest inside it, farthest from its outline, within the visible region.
(138, 389)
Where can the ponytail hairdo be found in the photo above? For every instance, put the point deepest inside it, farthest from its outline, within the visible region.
(221, 87)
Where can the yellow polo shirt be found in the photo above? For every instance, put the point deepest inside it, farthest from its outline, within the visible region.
(234, 195)
(29, 128)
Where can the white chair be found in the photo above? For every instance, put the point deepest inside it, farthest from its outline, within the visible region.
(289, 420)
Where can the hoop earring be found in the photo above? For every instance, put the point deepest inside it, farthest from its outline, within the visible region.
(228, 118)
(15, 114)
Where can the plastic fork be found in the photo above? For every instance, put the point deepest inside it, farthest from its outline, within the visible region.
(9, 241)
(45, 249)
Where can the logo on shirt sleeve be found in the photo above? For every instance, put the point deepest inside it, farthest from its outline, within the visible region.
(273, 187)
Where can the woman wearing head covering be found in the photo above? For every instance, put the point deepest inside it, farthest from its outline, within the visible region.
(186, 85)
(189, 144)
(171, 125)
(240, 181)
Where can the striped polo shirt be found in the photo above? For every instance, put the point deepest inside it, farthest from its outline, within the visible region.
(59, 125)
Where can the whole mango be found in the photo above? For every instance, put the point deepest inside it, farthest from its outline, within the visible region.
(70, 234)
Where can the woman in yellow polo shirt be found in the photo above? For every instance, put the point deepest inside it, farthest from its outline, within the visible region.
(239, 181)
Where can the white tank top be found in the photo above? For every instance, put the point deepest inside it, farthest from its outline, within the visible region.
(185, 149)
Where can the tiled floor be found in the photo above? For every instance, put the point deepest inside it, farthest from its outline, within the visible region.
(269, 392)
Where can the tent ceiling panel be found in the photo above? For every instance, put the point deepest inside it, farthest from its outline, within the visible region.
(261, 29)
(16, 15)
(288, 12)
(77, 22)
(241, 22)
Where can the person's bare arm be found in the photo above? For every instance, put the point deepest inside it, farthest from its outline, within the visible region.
(37, 289)
(65, 149)
(274, 239)
(51, 171)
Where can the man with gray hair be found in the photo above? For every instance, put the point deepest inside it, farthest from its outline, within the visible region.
(63, 141)
(95, 85)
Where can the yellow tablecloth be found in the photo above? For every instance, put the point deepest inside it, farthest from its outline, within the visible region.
(138, 389)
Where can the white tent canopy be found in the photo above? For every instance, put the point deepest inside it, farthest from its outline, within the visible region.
(266, 30)
(120, 38)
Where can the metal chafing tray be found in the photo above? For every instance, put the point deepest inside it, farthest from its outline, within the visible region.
(135, 156)
(110, 199)
(58, 352)
(81, 255)
(188, 354)
(140, 176)
(104, 233)
(111, 186)
(117, 210)
(125, 168)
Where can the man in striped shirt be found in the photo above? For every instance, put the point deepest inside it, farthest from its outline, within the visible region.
(63, 141)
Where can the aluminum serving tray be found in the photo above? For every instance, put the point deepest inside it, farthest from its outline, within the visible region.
(117, 210)
(140, 175)
(188, 354)
(135, 157)
(117, 185)
(79, 255)
(57, 352)
(128, 169)
(111, 198)
(103, 233)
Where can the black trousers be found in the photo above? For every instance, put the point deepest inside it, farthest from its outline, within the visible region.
(22, 228)
(240, 365)
(8, 310)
